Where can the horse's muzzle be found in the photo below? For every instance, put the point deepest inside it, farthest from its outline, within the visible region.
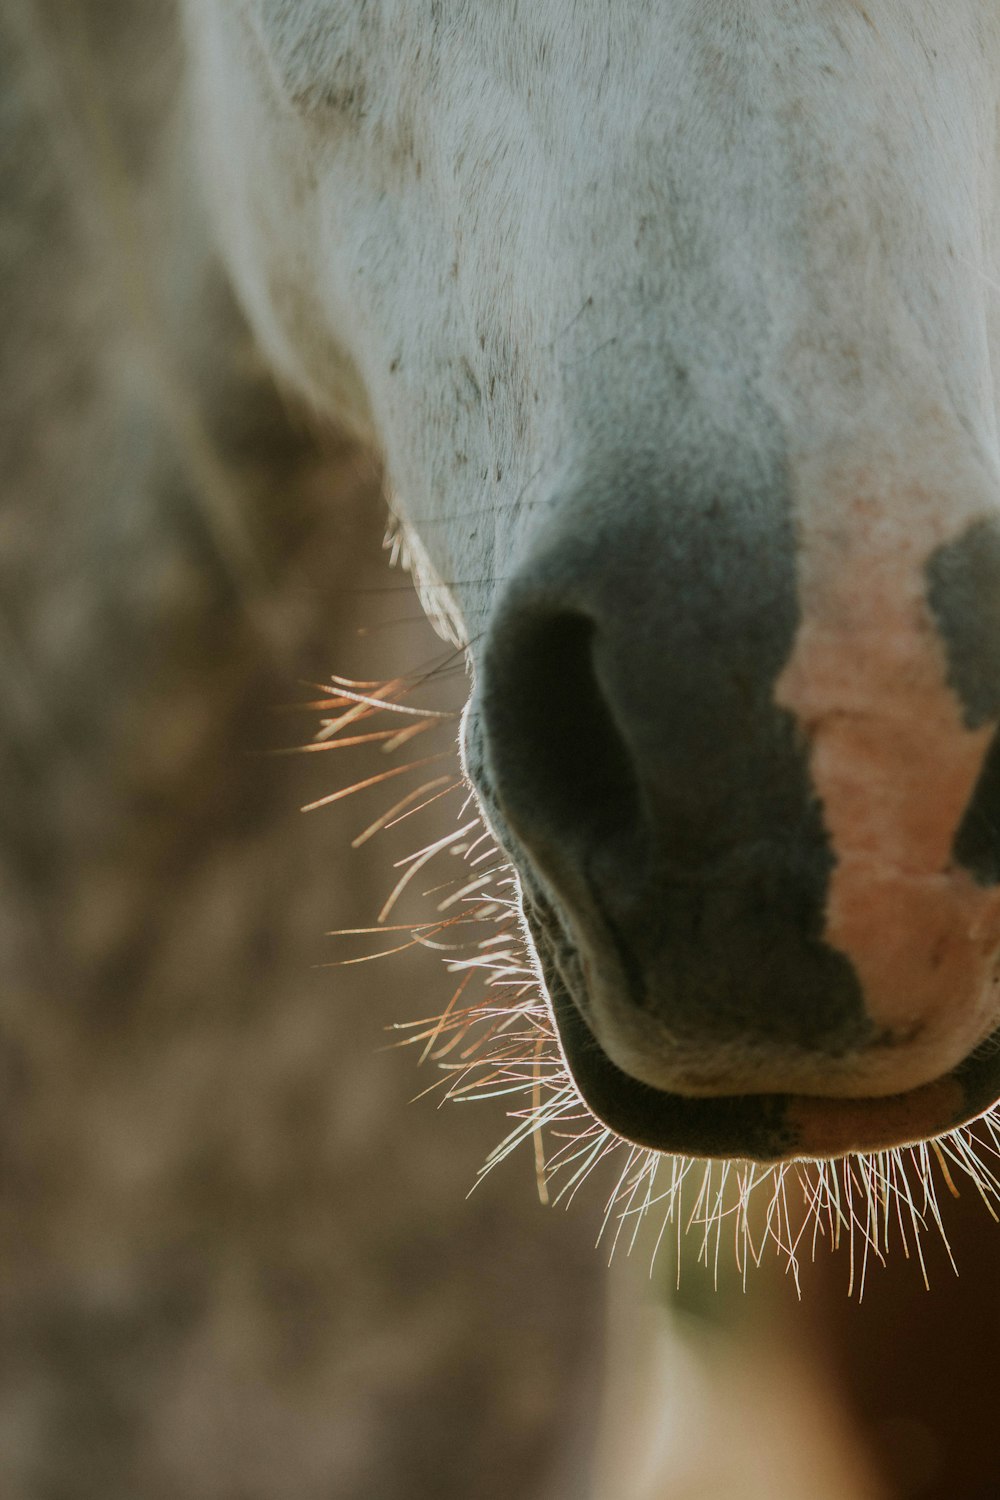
(750, 909)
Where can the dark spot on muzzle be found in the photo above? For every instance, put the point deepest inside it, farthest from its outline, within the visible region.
(963, 590)
(977, 842)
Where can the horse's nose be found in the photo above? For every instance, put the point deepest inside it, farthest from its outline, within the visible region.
(662, 800)
(667, 814)
(690, 822)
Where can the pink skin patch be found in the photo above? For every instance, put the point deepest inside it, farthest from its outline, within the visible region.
(895, 768)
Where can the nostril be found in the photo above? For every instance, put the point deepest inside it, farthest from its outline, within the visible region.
(560, 763)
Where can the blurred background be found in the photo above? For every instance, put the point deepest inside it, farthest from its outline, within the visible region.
(236, 1262)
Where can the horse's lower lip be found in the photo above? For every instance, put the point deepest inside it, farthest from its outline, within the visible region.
(768, 1128)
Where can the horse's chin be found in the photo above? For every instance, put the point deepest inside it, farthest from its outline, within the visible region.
(766, 1127)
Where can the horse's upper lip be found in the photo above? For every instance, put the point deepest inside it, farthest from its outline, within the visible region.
(768, 1127)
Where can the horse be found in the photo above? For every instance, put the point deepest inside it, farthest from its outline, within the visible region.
(675, 328)
(229, 1259)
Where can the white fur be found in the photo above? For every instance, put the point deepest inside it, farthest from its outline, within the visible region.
(479, 231)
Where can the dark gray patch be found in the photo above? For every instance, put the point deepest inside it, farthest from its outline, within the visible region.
(963, 590)
(977, 842)
(634, 748)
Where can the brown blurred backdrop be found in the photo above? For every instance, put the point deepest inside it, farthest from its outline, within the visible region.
(235, 1262)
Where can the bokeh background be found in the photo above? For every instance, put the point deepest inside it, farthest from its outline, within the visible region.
(236, 1262)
